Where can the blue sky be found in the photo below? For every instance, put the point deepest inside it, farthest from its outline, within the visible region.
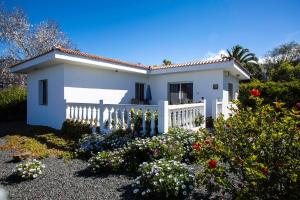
(179, 30)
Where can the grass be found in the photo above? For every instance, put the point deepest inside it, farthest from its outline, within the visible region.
(40, 141)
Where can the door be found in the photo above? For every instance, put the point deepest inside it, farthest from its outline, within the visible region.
(174, 93)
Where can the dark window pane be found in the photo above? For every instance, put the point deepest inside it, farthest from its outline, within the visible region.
(43, 92)
(187, 92)
(174, 93)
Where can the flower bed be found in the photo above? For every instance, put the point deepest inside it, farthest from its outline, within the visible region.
(30, 169)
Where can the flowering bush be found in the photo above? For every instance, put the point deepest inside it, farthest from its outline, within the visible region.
(218, 180)
(91, 144)
(163, 179)
(29, 169)
(263, 141)
(106, 161)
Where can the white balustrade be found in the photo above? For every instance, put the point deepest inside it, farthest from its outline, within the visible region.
(184, 115)
(111, 117)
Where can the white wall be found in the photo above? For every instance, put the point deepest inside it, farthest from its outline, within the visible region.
(202, 85)
(53, 113)
(228, 78)
(88, 85)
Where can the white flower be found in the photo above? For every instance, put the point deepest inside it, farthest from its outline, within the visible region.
(34, 175)
(191, 187)
(135, 191)
(137, 182)
(184, 193)
(161, 180)
(143, 193)
(183, 186)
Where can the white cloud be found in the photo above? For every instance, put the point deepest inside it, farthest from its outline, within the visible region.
(213, 55)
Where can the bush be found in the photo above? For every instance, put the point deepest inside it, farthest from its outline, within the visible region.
(13, 104)
(163, 179)
(199, 119)
(176, 145)
(75, 129)
(288, 92)
(29, 169)
(263, 142)
(91, 144)
(111, 161)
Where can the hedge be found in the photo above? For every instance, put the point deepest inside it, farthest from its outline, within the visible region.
(13, 104)
(288, 92)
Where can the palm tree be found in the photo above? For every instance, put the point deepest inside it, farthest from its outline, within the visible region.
(167, 62)
(247, 59)
(242, 55)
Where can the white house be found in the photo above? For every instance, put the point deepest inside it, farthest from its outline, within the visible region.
(64, 83)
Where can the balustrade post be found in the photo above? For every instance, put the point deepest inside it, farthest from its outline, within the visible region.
(109, 119)
(129, 118)
(122, 118)
(116, 118)
(101, 114)
(152, 123)
(204, 114)
(163, 112)
(144, 116)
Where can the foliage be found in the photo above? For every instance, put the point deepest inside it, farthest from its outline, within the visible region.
(13, 104)
(199, 119)
(163, 179)
(167, 62)
(246, 59)
(288, 92)
(40, 141)
(263, 142)
(22, 40)
(209, 122)
(176, 145)
(91, 144)
(107, 161)
(75, 128)
(282, 62)
(30, 169)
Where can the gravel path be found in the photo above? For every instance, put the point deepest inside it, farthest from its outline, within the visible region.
(65, 181)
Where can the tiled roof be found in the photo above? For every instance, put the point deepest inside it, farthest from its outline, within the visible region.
(87, 55)
(91, 56)
(203, 62)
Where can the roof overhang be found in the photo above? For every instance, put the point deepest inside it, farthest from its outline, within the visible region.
(56, 57)
(231, 66)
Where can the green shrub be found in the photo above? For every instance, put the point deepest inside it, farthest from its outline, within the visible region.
(199, 119)
(163, 179)
(288, 92)
(107, 161)
(30, 169)
(263, 142)
(75, 129)
(13, 104)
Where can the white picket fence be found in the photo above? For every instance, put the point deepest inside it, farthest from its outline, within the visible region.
(111, 117)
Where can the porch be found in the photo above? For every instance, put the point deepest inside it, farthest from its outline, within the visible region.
(152, 118)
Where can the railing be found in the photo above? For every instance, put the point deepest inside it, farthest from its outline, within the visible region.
(220, 107)
(109, 117)
(185, 115)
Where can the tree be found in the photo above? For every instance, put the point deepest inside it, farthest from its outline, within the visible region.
(275, 59)
(247, 59)
(22, 40)
(167, 62)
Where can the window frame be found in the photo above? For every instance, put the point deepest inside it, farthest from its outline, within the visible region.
(43, 92)
(180, 91)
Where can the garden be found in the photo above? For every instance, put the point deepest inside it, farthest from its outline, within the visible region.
(254, 154)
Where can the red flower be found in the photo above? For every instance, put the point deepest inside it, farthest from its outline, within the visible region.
(207, 141)
(265, 171)
(255, 92)
(212, 163)
(197, 146)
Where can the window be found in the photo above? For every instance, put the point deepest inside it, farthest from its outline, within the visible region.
(215, 86)
(139, 91)
(230, 91)
(180, 93)
(43, 92)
